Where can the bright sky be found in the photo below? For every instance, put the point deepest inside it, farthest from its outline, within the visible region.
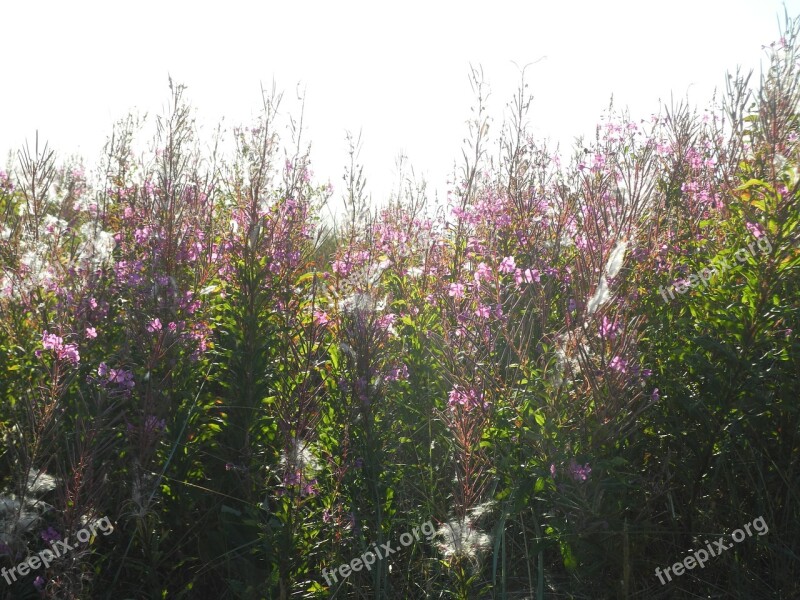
(399, 74)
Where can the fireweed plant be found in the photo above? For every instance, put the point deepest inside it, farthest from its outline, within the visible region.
(254, 393)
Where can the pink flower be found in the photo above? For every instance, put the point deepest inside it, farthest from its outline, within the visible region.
(91, 333)
(619, 364)
(70, 352)
(154, 325)
(456, 290)
(54, 343)
(756, 230)
(51, 341)
(482, 272)
(483, 311)
(340, 268)
(468, 399)
(527, 276)
(508, 265)
(386, 322)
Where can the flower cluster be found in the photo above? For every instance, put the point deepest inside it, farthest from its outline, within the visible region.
(467, 399)
(62, 351)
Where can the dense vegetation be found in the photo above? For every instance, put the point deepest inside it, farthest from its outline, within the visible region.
(548, 373)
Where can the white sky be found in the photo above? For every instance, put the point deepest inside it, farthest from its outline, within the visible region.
(399, 74)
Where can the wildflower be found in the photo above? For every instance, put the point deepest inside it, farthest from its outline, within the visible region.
(153, 424)
(320, 317)
(50, 535)
(527, 276)
(483, 311)
(578, 472)
(386, 323)
(468, 399)
(756, 230)
(5, 182)
(310, 488)
(482, 271)
(397, 373)
(70, 353)
(655, 395)
(608, 329)
(619, 364)
(508, 265)
(553, 470)
(50, 341)
(154, 325)
(340, 268)
(91, 333)
(456, 290)
(39, 583)
(56, 345)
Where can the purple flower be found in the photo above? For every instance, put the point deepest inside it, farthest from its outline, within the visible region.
(39, 583)
(154, 325)
(50, 535)
(309, 489)
(619, 364)
(608, 329)
(578, 472)
(152, 424)
(655, 395)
